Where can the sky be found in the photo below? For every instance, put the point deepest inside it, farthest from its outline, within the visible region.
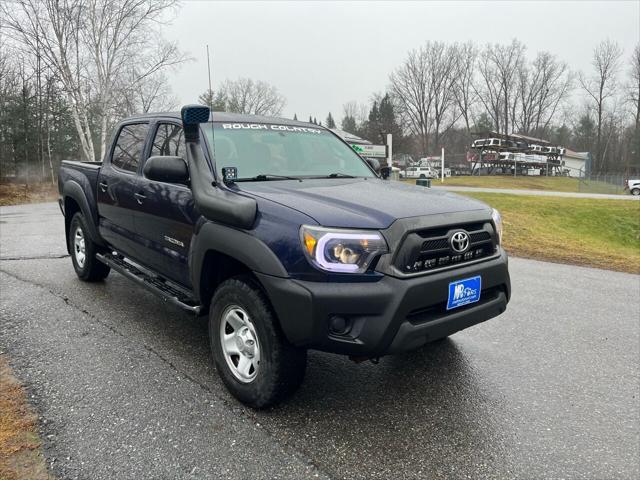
(320, 55)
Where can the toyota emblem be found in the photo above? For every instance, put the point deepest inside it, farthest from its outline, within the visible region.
(459, 242)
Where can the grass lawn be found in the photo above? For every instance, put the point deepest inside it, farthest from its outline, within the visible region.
(556, 184)
(590, 232)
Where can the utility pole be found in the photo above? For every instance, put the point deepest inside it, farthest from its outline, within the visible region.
(442, 166)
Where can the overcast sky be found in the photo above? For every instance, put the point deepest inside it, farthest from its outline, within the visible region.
(322, 54)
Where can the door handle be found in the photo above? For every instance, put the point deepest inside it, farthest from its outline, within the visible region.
(140, 197)
(103, 186)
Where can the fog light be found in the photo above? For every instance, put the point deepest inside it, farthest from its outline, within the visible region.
(339, 325)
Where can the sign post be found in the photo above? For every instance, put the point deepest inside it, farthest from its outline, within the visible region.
(442, 166)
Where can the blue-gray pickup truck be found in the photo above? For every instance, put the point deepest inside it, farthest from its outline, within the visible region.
(286, 239)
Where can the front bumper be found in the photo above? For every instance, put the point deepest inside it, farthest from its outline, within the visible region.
(388, 316)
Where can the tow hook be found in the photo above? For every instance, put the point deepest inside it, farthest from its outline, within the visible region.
(356, 359)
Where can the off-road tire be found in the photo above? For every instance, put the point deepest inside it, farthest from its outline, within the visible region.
(282, 366)
(92, 269)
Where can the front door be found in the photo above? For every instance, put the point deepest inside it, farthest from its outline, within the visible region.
(165, 213)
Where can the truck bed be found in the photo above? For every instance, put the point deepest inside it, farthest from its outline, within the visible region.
(83, 173)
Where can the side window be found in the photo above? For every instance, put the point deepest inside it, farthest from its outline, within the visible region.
(168, 141)
(127, 151)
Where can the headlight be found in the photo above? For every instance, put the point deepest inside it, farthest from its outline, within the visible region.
(344, 251)
(497, 221)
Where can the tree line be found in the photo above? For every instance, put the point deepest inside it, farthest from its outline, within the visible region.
(71, 69)
(444, 95)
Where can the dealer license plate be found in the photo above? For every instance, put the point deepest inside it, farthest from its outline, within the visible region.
(464, 292)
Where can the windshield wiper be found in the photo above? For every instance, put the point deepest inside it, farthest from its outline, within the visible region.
(340, 175)
(267, 176)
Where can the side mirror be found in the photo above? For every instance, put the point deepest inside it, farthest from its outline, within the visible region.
(385, 172)
(166, 169)
(374, 163)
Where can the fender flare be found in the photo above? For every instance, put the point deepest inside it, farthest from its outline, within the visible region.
(73, 190)
(237, 244)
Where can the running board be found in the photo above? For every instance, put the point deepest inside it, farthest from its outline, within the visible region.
(155, 284)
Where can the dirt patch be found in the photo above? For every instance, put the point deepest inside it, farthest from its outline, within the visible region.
(15, 193)
(20, 447)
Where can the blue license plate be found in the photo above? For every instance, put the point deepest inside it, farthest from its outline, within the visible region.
(464, 292)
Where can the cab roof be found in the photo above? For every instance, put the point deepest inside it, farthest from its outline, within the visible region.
(229, 117)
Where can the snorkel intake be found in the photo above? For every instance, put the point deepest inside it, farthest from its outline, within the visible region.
(215, 202)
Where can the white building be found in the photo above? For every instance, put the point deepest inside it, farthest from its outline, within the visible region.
(576, 162)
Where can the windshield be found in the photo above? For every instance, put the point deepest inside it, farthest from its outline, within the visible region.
(267, 149)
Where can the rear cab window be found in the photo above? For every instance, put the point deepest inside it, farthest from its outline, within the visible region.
(127, 150)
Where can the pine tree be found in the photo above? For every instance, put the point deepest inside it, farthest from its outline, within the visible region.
(315, 121)
(349, 124)
(217, 101)
(295, 117)
(310, 119)
(388, 122)
(372, 128)
(330, 122)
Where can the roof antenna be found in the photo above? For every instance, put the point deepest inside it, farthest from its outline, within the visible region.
(213, 142)
(209, 70)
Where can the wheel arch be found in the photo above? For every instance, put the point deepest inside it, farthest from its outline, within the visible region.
(75, 201)
(219, 252)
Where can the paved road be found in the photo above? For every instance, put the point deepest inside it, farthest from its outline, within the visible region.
(542, 193)
(126, 389)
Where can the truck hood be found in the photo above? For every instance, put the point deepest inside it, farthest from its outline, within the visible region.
(359, 203)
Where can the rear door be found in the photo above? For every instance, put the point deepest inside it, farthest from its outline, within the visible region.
(165, 212)
(116, 187)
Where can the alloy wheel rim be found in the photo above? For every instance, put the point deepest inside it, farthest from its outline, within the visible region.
(79, 247)
(239, 342)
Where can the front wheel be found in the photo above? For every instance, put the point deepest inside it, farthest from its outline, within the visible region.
(83, 252)
(635, 191)
(254, 359)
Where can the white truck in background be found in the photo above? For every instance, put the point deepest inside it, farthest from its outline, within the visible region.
(634, 186)
(420, 172)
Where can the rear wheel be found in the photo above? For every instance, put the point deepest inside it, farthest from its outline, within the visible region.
(635, 191)
(254, 359)
(83, 252)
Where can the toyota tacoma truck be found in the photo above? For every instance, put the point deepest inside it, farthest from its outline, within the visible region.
(285, 238)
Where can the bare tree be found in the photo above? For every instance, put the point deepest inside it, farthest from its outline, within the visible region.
(152, 94)
(252, 97)
(634, 85)
(498, 67)
(466, 55)
(601, 86)
(121, 41)
(410, 88)
(441, 61)
(541, 87)
(358, 111)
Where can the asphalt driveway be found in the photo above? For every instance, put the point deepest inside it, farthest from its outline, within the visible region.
(125, 386)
